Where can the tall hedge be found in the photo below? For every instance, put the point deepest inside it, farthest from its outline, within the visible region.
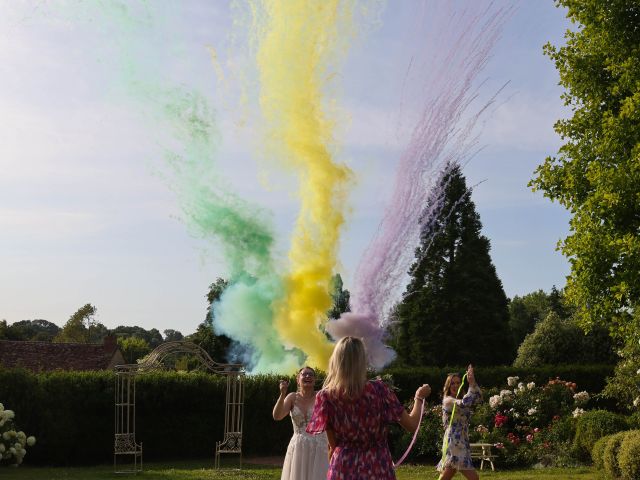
(181, 415)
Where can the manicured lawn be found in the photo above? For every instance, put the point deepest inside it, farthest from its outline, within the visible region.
(203, 470)
(429, 473)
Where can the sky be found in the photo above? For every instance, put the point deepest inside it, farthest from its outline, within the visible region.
(88, 211)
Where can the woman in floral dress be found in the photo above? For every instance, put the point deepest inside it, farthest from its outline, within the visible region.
(457, 456)
(355, 414)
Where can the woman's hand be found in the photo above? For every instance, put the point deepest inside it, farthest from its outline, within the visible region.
(284, 404)
(284, 387)
(423, 392)
(471, 375)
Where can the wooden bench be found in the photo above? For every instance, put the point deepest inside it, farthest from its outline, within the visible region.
(483, 452)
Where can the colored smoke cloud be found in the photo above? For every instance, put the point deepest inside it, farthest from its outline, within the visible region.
(441, 135)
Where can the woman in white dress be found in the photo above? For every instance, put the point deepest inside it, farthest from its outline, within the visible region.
(306, 457)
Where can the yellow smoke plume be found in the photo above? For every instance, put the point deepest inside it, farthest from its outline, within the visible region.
(297, 40)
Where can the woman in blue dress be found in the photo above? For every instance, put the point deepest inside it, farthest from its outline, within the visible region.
(456, 450)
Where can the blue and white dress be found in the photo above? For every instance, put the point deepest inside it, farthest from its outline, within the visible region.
(458, 454)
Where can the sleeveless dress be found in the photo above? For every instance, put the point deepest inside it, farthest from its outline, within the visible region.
(360, 427)
(458, 454)
(306, 457)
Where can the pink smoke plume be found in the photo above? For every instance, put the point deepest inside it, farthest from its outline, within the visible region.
(461, 42)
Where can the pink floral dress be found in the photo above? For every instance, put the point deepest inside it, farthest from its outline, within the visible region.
(360, 428)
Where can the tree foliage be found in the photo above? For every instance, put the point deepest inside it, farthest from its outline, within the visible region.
(454, 310)
(152, 336)
(558, 340)
(525, 312)
(596, 173)
(33, 330)
(82, 327)
(171, 335)
(215, 345)
(133, 348)
(341, 297)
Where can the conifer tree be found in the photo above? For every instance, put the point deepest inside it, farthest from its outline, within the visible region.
(454, 310)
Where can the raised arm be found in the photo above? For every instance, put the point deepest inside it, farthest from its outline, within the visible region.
(284, 404)
(473, 395)
(411, 421)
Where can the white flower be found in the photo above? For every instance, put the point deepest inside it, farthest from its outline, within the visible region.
(1, 407)
(636, 402)
(532, 411)
(8, 414)
(531, 385)
(482, 429)
(2, 448)
(577, 412)
(512, 381)
(12, 451)
(495, 401)
(506, 394)
(31, 441)
(581, 397)
(6, 435)
(516, 415)
(637, 373)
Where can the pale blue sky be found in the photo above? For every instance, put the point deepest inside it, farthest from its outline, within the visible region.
(86, 217)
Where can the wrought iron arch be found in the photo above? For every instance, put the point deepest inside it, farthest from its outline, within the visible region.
(125, 443)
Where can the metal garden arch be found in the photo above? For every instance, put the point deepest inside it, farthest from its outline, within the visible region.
(125, 444)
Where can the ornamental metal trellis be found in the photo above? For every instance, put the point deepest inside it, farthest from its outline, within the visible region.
(125, 444)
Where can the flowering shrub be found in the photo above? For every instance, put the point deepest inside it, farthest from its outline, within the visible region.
(13, 444)
(530, 424)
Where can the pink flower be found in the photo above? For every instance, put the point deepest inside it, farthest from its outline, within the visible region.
(530, 438)
(499, 445)
(513, 438)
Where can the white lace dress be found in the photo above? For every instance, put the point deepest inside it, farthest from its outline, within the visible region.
(306, 454)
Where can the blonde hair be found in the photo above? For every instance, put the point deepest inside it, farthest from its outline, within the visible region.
(347, 374)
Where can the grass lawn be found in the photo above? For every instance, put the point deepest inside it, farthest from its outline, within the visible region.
(203, 470)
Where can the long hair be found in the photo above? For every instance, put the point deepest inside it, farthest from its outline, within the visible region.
(347, 374)
(447, 384)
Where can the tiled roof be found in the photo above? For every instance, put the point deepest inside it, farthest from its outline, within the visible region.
(44, 356)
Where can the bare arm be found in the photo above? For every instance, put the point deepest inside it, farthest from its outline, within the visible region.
(331, 437)
(411, 421)
(284, 404)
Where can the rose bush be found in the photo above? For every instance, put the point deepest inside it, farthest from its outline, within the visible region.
(530, 424)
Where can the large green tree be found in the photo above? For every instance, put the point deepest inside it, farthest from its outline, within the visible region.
(556, 340)
(152, 336)
(35, 330)
(596, 173)
(133, 348)
(527, 311)
(82, 327)
(454, 310)
(341, 297)
(205, 336)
